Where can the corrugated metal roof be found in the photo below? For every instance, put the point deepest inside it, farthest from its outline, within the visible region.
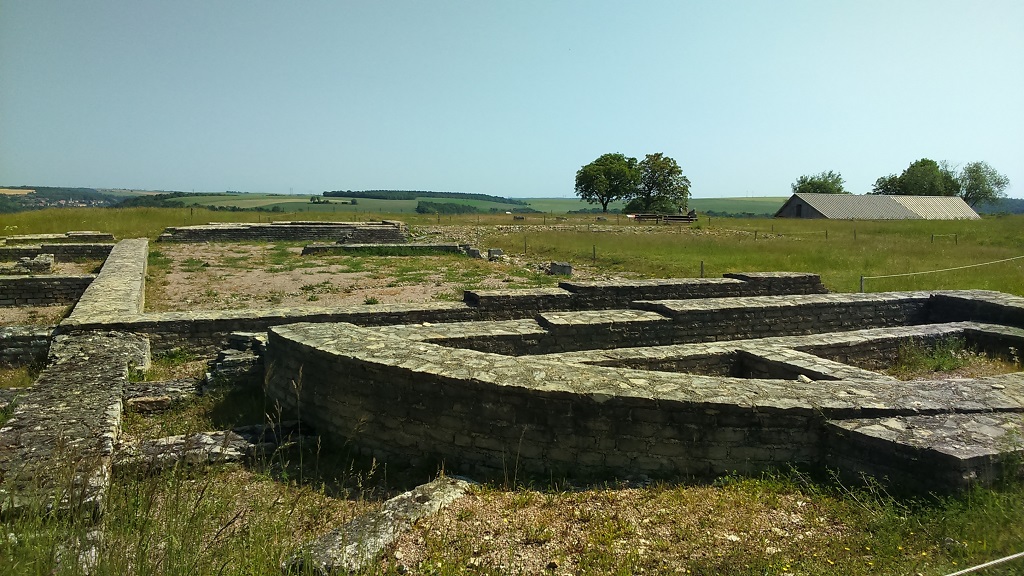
(938, 207)
(883, 207)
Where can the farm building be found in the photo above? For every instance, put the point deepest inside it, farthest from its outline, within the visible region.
(872, 207)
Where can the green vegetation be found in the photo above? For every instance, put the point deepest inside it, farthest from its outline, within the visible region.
(977, 183)
(948, 355)
(420, 194)
(16, 377)
(825, 183)
(848, 251)
(654, 184)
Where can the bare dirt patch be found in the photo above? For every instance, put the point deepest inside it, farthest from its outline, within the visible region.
(229, 276)
(33, 315)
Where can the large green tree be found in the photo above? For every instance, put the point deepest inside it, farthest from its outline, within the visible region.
(824, 183)
(927, 177)
(609, 178)
(662, 186)
(980, 182)
(924, 177)
(977, 182)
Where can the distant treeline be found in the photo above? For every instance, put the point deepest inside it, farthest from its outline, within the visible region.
(1003, 206)
(154, 200)
(168, 201)
(424, 207)
(414, 194)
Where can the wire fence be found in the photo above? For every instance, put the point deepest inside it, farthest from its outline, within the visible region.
(973, 569)
(863, 278)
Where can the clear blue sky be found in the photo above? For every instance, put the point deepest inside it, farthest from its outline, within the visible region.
(506, 98)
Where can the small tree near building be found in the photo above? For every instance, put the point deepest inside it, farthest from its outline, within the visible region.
(980, 182)
(824, 183)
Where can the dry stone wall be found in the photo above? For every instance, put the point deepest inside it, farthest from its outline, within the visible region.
(571, 295)
(593, 413)
(24, 345)
(61, 252)
(57, 446)
(78, 237)
(42, 290)
(118, 292)
(385, 232)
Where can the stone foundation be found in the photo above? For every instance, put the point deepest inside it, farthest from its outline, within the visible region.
(42, 290)
(78, 237)
(673, 378)
(749, 393)
(61, 252)
(24, 345)
(385, 232)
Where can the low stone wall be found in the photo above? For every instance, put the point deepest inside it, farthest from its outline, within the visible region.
(42, 290)
(78, 237)
(571, 295)
(385, 232)
(207, 331)
(55, 451)
(24, 345)
(490, 416)
(61, 252)
(978, 305)
(397, 397)
(118, 292)
(686, 321)
(384, 249)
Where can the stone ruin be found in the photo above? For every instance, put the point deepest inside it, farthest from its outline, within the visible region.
(384, 232)
(674, 378)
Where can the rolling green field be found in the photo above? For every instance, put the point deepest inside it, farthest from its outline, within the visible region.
(290, 203)
(840, 251)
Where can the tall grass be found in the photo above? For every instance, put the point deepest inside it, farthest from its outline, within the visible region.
(729, 245)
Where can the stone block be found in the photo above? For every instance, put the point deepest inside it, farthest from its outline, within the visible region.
(560, 269)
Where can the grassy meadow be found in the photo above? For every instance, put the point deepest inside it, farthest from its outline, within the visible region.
(840, 251)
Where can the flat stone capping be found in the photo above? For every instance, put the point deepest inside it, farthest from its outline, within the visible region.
(449, 331)
(354, 546)
(384, 249)
(918, 452)
(387, 231)
(829, 356)
(118, 292)
(481, 412)
(207, 331)
(530, 299)
(621, 293)
(563, 320)
(77, 237)
(56, 449)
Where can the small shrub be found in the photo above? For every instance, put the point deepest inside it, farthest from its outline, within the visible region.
(371, 300)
